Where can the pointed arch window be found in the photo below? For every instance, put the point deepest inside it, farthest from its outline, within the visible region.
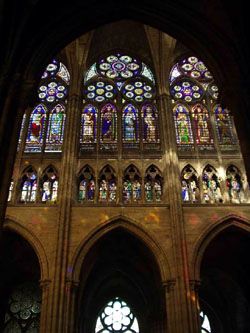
(234, 184)
(192, 84)
(28, 185)
(124, 89)
(205, 323)
(86, 185)
(132, 185)
(11, 188)
(224, 126)
(153, 184)
(189, 185)
(49, 185)
(46, 121)
(107, 185)
(211, 185)
(117, 316)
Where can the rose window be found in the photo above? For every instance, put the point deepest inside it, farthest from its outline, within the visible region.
(53, 92)
(117, 316)
(187, 91)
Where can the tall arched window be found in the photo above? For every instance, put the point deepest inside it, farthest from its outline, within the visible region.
(46, 122)
(192, 85)
(121, 90)
(107, 185)
(132, 185)
(189, 185)
(117, 316)
(211, 185)
(86, 185)
(49, 185)
(153, 184)
(234, 184)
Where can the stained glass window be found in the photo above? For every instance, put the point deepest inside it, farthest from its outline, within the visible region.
(88, 124)
(186, 90)
(86, 187)
(11, 187)
(211, 185)
(46, 124)
(107, 185)
(234, 185)
(116, 316)
(132, 187)
(23, 312)
(150, 123)
(28, 185)
(224, 126)
(100, 91)
(124, 87)
(201, 124)
(35, 136)
(49, 185)
(130, 124)
(189, 185)
(55, 129)
(153, 184)
(108, 124)
(138, 90)
(205, 324)
(184, 135)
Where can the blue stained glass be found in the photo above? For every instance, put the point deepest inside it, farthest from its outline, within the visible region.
(108, 123)
(36, 128)
(130, 124)
(55, 129)
(88, 124)
(150, 121)
(29, 186)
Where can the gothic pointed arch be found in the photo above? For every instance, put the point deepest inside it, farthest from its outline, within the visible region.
(132, 184)
(211, 185)
(86, 185)
(28, 185)
(49, 185)
(107, 184)
(189, 185)
(153, 184)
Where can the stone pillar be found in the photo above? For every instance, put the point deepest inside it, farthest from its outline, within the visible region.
(183, 319)
(45, 308)
(66, 182)
(170, 300)
(70, 313)
(195, 308)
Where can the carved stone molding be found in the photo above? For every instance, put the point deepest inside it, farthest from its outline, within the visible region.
(169, 285)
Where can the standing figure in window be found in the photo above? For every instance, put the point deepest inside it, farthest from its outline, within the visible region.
(36, 125)
(224, 125)
(184, 191)
(112, 191)
(49, 185)
(82, 190)
(127, 190)
(108, 123)
(103, 190)
(201, 117)
(149, 119)
(56, 125)
(211, 185)
(129, 125)
(148, 191)
(88, 123)
(182, 125)
(91, 190)
(157, 190)
(136, 189)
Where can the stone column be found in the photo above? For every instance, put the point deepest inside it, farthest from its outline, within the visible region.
(71, 291)
(170, 299)
(45, 308)
(195, 308)
(182, 321)
(66, 182)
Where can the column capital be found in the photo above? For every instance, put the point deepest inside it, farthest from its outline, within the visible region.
(169, 285)
(44, 284)
(194, 285)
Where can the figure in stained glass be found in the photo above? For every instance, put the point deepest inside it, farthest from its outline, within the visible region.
(127, 190)
(157, 190)
(86, 189)
(49, 185)
(211, 186)
(36, 129)
(108, 123)
(29, 186)
(82, 190)
(136, 190)
(103, 190)
(130, 123)
(89, 124)
(149, 117)
(223, 125)
(11, 187)
(148, 191)
(182, 125)
(201, 118)
(189, 185)
(55, 129)
(112, 190)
